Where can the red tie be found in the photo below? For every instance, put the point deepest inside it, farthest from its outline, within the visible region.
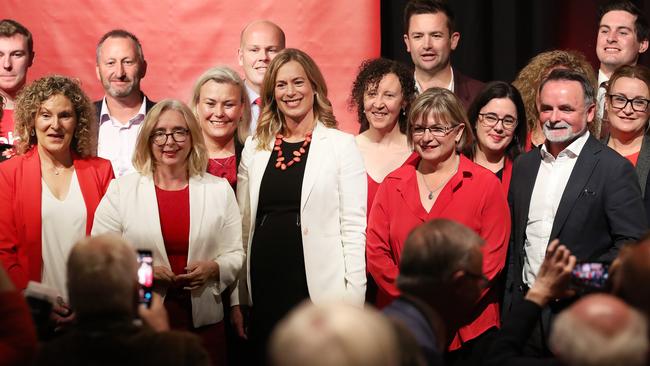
(258, 101)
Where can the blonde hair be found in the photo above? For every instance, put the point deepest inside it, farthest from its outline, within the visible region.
(32, 97)
(271, 118)
(225, 75)
(197, 160)
(445, 107)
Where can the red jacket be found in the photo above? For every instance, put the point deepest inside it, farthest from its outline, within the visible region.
(20, 199)
(473, 197)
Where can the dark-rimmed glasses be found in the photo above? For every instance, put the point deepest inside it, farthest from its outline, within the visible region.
(160, 137)
(437, 131)
(620, 102)
(490, 120)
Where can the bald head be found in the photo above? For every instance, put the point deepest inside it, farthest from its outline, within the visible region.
(631, 278)
(260, 41)
(600, 330)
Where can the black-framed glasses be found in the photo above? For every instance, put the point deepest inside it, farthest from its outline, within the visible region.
(436, 130)
(160, 137)
(491, 119)
(620, 102)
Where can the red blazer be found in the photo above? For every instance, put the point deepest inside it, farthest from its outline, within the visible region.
(473, 197)
(20, 198)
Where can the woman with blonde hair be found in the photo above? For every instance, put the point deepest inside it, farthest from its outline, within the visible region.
(220, 104)
(301, 188)
(188, 219)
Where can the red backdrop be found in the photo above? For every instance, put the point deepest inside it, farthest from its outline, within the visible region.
(182, 38)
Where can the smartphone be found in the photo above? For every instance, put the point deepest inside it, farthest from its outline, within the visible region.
(145, 276)
(590, 276)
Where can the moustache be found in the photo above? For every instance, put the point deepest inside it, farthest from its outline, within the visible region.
(548, 125)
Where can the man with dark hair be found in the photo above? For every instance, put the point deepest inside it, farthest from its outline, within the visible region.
(103, 288)
(120, 67)
(16, 56)
(440, 280)
(622, 37)
(572, 188)
(430, 37)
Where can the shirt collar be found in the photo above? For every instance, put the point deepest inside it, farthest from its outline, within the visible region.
(251, 93)
(105, 115)
(450, 87)
(573, 150)
(602, 77)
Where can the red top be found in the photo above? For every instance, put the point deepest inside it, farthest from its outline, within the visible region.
(633, 158)
(507, 174)
(224, 168)
(174, 212)
(373, 186)
(7, 127)
(473, 197)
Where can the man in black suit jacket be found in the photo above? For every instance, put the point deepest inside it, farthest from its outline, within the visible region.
(120, 67)
(572, 188)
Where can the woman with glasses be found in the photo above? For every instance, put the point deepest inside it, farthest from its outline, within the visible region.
(187, 218)
(441, 183)
(498, 120)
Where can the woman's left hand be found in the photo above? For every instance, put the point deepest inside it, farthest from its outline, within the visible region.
(198, 273)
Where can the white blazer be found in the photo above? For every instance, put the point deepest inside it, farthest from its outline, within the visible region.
(332, 215)
(130, 208)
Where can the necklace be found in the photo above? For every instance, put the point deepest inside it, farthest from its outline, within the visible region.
(431, 191)
(280, 162)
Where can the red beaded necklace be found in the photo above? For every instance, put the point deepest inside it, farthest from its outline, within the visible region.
(280, 161)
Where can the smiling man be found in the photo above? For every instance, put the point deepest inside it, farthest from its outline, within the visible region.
(622, 37)
(16, 56)
(573, 188)
(430, 38)
(120, 67)
(260, 41)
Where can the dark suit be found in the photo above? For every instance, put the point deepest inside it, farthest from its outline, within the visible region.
(600, 210)
(466, 88)
(98, 107)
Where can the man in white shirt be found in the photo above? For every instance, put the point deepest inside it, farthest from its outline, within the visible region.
(572, 188)
(120, 67)
(260, 41)
(622, 36)
(430, 38)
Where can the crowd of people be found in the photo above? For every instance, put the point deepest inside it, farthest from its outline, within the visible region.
(446, 232)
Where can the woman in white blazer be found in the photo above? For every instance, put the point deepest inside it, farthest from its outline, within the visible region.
(301, 188)
(188, 219)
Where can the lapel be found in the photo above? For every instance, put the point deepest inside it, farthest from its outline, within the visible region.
(314, 164)
(643, 164)
(147, 207)
(256, 170)
(584, 167)
(197, 210)
(526, 175)
(88, 185)
(32, 191)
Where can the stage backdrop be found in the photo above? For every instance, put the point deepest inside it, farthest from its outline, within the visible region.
(182, 38)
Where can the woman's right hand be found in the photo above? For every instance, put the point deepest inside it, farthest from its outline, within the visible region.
(237, 319)
(163, 276)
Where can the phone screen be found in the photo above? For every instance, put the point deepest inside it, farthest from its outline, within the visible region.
(590, 276)
(145, 276)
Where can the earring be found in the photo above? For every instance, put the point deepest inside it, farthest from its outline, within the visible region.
(404, 112)
(32, 133)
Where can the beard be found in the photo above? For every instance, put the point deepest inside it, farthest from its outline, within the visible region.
(134, 85)
(561, 132)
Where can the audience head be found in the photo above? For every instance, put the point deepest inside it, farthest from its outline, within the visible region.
(438, 114)
(442, 264)
(498, 120)
(600, 330)
(382, 93)
(630, 280)
(170, 136)
(120, 64)
(626, 105)
(333, 334)
(259, 43)
(429, 34)
(220, 104)
(622, 35)
(566, 106)
(102, 277)
(292, 74)
(16, 56)
(55, 114)
(538, 68)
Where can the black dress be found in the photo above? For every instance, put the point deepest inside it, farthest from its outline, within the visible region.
(277, 264)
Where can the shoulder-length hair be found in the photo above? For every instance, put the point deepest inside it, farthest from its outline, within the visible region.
(224, 75)
(445, 107)
(32, 97)
(143, 160)
(271, 118)
(499, 90)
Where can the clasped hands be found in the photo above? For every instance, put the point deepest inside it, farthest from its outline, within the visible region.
(198, 273)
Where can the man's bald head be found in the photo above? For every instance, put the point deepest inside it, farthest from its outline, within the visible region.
(600, 329)
(260, 41)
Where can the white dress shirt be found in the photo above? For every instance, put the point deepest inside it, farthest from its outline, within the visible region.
(602, 78)
(255, 109)
(450, 87)
(551, 181)
(116, 141)
(63, 224)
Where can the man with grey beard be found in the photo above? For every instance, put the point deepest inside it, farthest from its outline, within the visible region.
(572, 188)
(120, 67)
